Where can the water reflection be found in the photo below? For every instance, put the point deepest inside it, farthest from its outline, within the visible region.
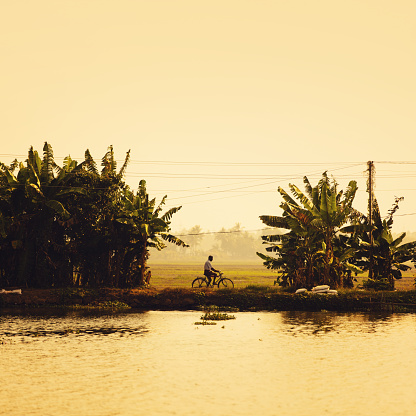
(320, 323)
(41, 323)
(160, 363)
(41, 332)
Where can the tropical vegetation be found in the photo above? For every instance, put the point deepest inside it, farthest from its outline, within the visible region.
(325, 240)
(74, 225)
(385, 256)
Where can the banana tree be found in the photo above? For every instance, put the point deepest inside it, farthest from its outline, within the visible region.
(148, 228)
(95, 238)
(297, 251)
(55, 220)
(35, 205)
(390, 256)
(297, 259)
(331, 210)
(316, 218)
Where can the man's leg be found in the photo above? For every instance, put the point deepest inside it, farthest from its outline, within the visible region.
(214, 276)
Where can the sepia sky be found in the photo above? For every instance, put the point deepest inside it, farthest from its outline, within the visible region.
(220, 102)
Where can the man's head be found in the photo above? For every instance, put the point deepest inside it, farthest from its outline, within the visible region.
(210, 258)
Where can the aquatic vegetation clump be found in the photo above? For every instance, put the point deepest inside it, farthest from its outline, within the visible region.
(217, 316)
(113, 305)
(212, 314)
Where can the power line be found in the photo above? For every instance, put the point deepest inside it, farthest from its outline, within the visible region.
(251, 180)
(396, 162)
(217, 163)
(223, 232)
(199, 163)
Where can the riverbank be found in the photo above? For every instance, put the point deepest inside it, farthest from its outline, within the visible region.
(187, 299)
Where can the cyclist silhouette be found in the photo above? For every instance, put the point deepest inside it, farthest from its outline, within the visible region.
(209, 271)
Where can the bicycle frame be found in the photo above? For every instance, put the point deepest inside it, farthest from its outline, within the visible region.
(215, 281)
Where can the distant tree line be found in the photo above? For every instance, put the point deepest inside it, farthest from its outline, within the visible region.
(234, 244)
(76, 225)
(327, 241)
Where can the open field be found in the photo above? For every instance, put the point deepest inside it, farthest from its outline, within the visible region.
(170, 289)
(406, 283)
(180, 275)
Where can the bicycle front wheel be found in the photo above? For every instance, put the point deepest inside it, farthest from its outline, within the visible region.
(200, 282)
(225, 283)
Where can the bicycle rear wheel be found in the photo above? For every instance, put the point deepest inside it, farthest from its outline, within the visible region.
(225, 283)
(200, 282)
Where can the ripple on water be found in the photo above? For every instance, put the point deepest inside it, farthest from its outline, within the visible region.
(160, 363)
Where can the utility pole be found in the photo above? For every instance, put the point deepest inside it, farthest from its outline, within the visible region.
(370, 190)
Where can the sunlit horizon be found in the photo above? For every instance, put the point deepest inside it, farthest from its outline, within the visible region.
(221, 102)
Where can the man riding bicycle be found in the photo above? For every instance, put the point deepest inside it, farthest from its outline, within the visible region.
(209, 271)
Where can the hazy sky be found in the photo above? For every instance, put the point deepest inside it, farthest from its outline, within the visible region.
(220, 102)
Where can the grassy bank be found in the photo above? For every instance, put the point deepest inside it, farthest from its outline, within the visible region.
(254, 290)
(249, 299)
(180, 275)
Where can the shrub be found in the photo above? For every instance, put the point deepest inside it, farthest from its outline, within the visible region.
(377, 284)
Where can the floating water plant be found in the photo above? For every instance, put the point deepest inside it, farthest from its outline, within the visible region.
(113, 305)
(212, 314)
(217, 316)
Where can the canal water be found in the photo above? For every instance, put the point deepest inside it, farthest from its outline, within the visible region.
(161, 363)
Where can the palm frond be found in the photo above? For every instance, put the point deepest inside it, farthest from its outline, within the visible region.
(11, 179)
(168, 215)
(124, 167)
(33, 177)
(399, 239)
(409, 247)
(287, 197)
(108, 162)
(273, 238)
(34, 160)
(274, 221)
(393, 209)
(89, 163)
(48, 164)
(350, 193)
(308, 187)
(354, 268)
(34, 190)
(69, 164)
(159, 207)
(174, 240)
(14, 165)
(269, 262)
(306, 202)
(58, 208)
(142, 192)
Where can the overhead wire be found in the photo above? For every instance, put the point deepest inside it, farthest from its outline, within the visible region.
(276, 179)
(252, 180)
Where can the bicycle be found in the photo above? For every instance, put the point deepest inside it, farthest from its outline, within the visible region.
(222, 282)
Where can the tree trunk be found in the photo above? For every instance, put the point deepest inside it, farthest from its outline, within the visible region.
(119, 258)
(143, 265)
(328, 259)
